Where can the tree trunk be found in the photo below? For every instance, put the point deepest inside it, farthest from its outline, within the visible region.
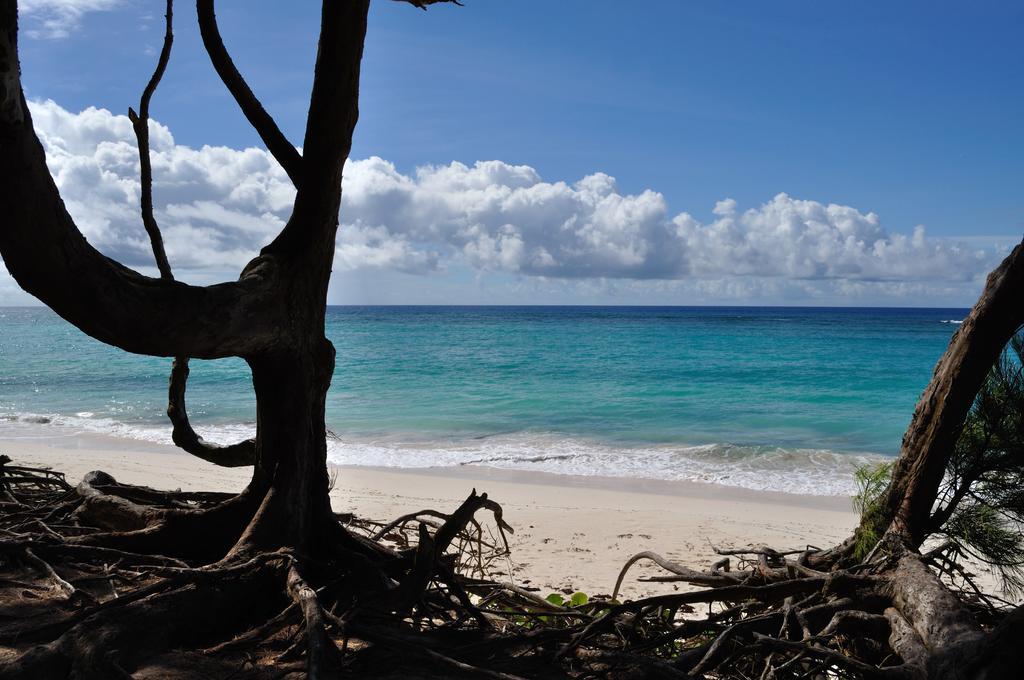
(939, 417)
(291, 449)
(273, 316)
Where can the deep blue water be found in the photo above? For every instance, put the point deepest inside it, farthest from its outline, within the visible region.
(786, 398)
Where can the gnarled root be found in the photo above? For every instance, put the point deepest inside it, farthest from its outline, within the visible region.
(194, 527)
(399, 598)
(114, 640)
(140, 602)
(891, 617)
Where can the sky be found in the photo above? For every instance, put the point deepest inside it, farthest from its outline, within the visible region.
(571, 152)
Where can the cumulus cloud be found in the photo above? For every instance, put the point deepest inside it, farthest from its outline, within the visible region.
(495, 216)
(56, 19)
(217, 206)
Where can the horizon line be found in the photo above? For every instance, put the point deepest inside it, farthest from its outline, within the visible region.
(595, 306)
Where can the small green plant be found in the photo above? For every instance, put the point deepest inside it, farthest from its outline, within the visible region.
(872, 481)
(577, 599)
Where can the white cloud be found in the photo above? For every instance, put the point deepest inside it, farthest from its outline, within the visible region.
(56, 19)
(217, 206)
(494, 216)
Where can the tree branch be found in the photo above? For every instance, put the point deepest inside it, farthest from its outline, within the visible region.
(269, 132)
(242, 454)
(939, 417)
(333, 112)
(422, 4)
(330, 123)
(236, 455)
(50, 258)
(682, 573)
(140, 123)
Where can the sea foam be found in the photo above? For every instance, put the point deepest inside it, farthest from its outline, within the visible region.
(800, 471)
(818, 472)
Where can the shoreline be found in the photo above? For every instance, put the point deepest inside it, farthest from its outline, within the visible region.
(773, 470)
(571, 532)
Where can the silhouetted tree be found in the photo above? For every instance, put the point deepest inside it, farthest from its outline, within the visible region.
(272, 316)
(210, 566)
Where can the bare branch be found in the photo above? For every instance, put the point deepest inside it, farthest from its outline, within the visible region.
(50, 258)
(333, 112)
(269, 132)
(681, 572)
(140, 123)
(320, 646)
(764, 642)
(422, 4)
(236, 455)
(59, 584)
(242, 454)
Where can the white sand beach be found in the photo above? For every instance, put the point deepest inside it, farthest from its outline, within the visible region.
(571, 532)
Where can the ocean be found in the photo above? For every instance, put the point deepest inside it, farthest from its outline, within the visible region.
(783, 399)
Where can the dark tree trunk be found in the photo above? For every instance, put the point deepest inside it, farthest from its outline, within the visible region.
(280, 527)
(291, 449)
(931, 627)
(940, 414)
(273, 316)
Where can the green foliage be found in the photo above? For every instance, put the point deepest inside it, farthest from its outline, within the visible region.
(578, 599)
(981, 503)
(980, 508)
(872, 481)
(575, 600)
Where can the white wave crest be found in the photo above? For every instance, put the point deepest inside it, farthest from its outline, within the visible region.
(818, 472)
(27, 426)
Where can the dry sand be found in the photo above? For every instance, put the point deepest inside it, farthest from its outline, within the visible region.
(571, 532)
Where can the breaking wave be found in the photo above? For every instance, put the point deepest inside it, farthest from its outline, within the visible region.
(819, 472)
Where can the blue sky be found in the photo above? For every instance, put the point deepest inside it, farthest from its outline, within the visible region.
(906, 111)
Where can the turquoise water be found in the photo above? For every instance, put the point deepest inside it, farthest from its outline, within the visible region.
(778, 398)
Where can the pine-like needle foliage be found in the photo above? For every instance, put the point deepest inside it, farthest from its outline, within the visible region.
(980, 508)
(981, 504)
(872, 481)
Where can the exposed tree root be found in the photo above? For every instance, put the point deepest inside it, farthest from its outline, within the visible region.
(408, 598)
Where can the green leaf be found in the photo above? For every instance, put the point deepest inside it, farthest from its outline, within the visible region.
(578, 599)
(556, 599)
